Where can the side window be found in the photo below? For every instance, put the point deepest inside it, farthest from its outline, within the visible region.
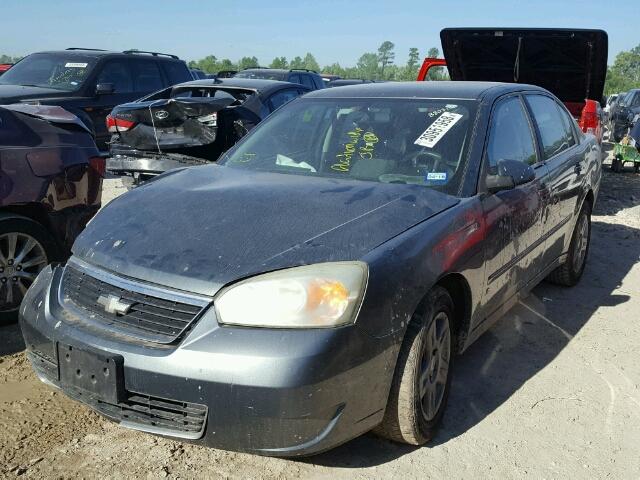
(177, 72)
(295, 78)
(280, 98)
(147, 76)
(551, 126)
(119, 74)
(307, 81)
(510, 135)
(567, 121)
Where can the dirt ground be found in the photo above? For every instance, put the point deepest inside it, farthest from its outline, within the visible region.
(551, 391)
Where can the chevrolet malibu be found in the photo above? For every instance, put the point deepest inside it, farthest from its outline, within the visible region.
(320, 280)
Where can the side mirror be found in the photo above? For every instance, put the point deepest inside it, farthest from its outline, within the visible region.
(105, 88)
(510, 174)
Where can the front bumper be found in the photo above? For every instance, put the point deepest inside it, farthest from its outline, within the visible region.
(270, 392)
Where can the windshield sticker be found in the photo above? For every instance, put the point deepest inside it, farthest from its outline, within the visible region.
(432, 135)
(75, 65)
(448, 106)
(436, 177)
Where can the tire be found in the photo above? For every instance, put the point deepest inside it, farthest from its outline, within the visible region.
(568, 274)
(28, 241)
(406, 419)
(616, 165)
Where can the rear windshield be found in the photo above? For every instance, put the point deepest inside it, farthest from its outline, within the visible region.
(57, 71)
(263, 74)
(412, 141)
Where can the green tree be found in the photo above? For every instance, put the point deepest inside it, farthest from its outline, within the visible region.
(248, 62)
(310, 62)
(367, 66)
(226, 64)
(334, 69)
(624, 74)
(410, 71)
(386, 56)
(279, 62)
(297, 62)
(433, 52)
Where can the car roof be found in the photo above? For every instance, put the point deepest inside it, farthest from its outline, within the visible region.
(428, 89)
(89, 52)
(249, 83)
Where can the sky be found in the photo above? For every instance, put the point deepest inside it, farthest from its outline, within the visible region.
(333, 31)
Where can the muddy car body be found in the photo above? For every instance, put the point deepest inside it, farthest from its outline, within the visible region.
(190, 123)
(318, 281)
(50, 186)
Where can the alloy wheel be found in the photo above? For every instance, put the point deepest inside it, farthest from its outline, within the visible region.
(582, 242)
(22, 257)
(435, 365)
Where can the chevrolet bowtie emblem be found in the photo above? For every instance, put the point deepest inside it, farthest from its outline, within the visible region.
(114, 304)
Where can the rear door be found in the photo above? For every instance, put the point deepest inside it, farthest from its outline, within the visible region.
(566, 164)
(117, 72)
(514, 218)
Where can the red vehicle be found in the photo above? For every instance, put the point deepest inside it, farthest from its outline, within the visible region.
(4, 67)
(570, 63)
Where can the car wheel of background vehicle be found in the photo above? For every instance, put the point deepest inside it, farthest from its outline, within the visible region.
(422, 378)
(569, 273)
(25, 248)
(616, 165)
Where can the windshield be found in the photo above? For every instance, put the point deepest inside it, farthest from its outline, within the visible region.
(263, 74)
(57, 71)
(413, 141)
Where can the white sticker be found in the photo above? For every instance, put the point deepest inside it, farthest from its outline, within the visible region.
(75, 65)
(437, 176)
(438, 129)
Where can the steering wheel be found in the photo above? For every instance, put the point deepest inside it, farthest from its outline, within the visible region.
(430, 161)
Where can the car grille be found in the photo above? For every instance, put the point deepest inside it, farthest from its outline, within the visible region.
(152, 414)
(151, 318)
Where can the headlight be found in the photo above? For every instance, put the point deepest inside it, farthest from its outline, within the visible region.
(314, 296)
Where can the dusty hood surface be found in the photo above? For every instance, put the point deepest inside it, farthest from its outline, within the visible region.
(571, 63)
(199, 228)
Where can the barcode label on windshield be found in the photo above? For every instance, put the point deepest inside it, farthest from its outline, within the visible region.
(75, 65)
(438, 129)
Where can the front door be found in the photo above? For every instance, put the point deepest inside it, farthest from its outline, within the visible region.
(514, 218)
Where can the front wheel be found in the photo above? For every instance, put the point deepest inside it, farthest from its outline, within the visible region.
(422, 379)
(569, 273)
(25, 249)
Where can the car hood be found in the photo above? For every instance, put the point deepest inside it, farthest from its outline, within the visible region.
(197, 229)
(16, 93)
(570, 63)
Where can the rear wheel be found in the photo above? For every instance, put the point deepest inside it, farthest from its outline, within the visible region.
(616, 164)
(569, 273)
(422, 378)
(25, 249)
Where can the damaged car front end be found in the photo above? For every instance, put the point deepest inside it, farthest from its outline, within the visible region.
(189, 124)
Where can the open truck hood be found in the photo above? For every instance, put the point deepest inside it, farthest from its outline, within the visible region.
(570, 63)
